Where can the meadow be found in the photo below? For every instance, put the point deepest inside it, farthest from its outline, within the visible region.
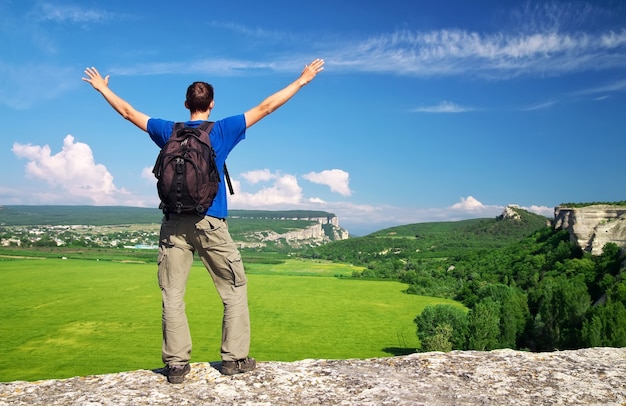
(75, 317)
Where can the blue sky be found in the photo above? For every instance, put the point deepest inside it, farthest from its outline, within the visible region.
(426, 111)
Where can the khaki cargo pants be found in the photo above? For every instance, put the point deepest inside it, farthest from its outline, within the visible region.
(181, 236)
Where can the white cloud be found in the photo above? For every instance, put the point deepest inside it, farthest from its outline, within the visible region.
(337, 179)
(541, 210)
(284, 191)
(73, 174)
(443, 107)
(470, 207)
(261, 175)
(146, 173)
(469, 203)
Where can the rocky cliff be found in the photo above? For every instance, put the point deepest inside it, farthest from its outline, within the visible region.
(323, 230)
(591, 227)
(594, 376)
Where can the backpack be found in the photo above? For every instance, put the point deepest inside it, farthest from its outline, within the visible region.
(187, 176)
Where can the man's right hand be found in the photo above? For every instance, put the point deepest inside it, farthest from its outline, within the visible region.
(94, 78)
(120, 105)
(311, 70)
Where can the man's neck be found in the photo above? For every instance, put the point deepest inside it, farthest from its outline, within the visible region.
(200, 116)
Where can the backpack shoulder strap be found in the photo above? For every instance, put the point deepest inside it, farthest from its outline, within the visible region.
(177, 127)
(208, 126)
(205, 128)
(227, 176)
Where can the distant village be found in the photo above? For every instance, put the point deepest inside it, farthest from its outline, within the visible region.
(137, 237)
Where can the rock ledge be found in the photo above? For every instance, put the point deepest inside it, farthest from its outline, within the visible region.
(595, 376)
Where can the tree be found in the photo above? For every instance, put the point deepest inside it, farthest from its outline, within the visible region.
(606, 326)
(512, 306)
(440, 340)
(442, 325)
(45, 241)
(484, 325)
(561, 307)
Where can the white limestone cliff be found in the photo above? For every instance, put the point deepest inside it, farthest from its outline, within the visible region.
(592, 227)
(325, 229)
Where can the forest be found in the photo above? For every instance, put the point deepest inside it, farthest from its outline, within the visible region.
(525, 284)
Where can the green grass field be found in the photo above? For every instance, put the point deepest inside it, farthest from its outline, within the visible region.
(63, 318)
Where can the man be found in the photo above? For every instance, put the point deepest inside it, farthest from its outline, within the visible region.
(183, 234)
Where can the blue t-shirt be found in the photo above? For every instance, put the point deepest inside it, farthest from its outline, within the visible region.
(224, 136)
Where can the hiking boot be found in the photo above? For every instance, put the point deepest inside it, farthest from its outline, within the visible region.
(237, 367)
(176, 373)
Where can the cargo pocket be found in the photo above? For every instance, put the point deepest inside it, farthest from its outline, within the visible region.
(162, 265)
(211, 232)
(237, 269)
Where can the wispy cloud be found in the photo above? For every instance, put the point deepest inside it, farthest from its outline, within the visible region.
(213, 66)
(540, 106)
(600, 98)
(497, 55)
(536, 39)
(540, 41)
(45, 11)
(443, 107)
(548, 44)
(255, 32)
(617, 86)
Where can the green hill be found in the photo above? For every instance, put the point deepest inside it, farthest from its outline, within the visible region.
(240, 220)
(434, 240)
(73, 215)
(518, 225)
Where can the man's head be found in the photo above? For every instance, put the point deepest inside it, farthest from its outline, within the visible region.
(199, 97)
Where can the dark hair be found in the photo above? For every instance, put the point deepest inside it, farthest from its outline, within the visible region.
(199, 96)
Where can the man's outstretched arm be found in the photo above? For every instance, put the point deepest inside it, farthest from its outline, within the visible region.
(120, 105)
(279, 98)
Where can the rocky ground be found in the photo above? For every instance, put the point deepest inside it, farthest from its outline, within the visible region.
(595, 376)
